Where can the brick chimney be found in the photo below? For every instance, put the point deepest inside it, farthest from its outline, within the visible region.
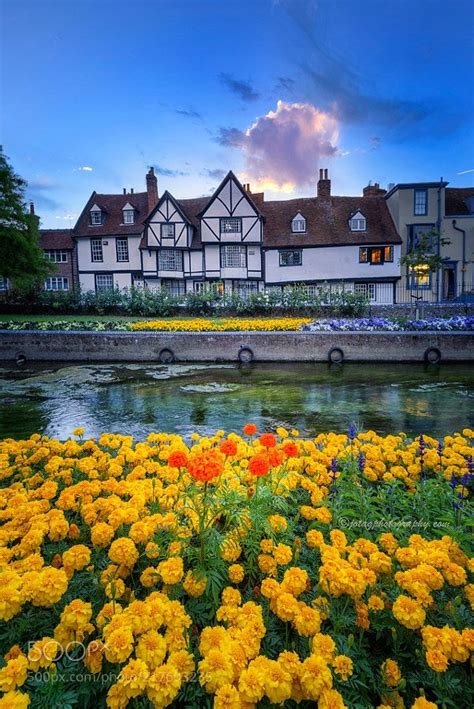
(373, 190)
(324, 184)
(151, 188)
(32, 207)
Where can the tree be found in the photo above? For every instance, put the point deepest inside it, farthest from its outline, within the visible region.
(423, 254)
(21, 259)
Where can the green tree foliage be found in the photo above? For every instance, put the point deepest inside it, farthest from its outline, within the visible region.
(424, 253)
(21, 259)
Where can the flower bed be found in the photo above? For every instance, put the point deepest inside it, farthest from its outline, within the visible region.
(236, 570)
(456, 323)
(224, 325)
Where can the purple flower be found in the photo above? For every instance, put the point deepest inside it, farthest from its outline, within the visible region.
(352, 431)
(361, 462)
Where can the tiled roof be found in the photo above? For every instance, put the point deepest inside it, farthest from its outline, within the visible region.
(455, 200)
(56, 238)
(112, 205)
(327, 222)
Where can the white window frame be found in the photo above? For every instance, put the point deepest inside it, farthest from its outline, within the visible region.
(121, 248)
(369, 290)
(100, 285)
(233, 256)
(358, 224)
(298, 225)
(231, 225)
(56, 255)
(420, 208)
(55, 283)
(128, 216)
(96, 217)
(174, 287)
(170, 260)
(97, 251)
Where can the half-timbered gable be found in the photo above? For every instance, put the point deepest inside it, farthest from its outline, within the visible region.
(168, 226)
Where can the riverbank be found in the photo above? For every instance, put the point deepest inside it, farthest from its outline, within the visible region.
(299, 346)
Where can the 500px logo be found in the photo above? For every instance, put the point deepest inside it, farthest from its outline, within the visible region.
(52, 651)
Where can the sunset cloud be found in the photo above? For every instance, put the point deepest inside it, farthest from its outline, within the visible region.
(284, 148)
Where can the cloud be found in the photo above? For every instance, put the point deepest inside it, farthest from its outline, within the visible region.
(216, 174)
(285, 83)
(243, 89)
(284, 148)
(85, 168)
(38, 191)
(464, 172)
(67, 217)
(188, 113)
(167, 172)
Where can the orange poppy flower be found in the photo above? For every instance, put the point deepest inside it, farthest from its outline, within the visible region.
(267, 440)
(250, 429)
(259, 465)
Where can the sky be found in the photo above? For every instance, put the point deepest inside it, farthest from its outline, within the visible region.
(93, 92)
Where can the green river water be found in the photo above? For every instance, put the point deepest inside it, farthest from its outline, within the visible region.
(139, 398)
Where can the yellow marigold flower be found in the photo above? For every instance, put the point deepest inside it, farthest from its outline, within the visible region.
(437, 660)
(422, 703)
(278, 683)
(119, 645)
(230, 550)
(14, 700)
(278, 523)
(252, 683)
(343, 666)
(163, 685)
(215, 670)
(236, 573)
(183, 661)
(324, 646)
(115, 589)
(307, 621)
(391, 673)
(102, 534)
(94, 656)
(171, 570)
(14, 673)
(295, 581)
(266, 545)
(375, 603)
(408, 612)
(152, 550)
(194, 585)
(331, 699)
(315, 677)
(282, 554)
(231, 596)
(267, 564)
(78, 431)
(76, 558)
(227, 697)
(285, 606)
(133, 678)
(123, 551)
(270, 588)
(314, 538)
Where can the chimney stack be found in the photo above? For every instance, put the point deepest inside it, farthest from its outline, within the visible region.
(131, 190)
(151, 188)
(32, 208)
(324, 184)
(373, 190)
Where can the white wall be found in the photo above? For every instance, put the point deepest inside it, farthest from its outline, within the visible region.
(328, 263)
(168, 214)
(232, 202)
(109, 251)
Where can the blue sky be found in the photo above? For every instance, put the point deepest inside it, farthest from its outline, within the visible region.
(272, 89)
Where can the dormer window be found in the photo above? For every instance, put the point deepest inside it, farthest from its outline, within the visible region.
(298, 224)
(358, 222)
(128, 214)
(96, 216)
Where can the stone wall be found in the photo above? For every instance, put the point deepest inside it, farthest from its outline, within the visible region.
(225, 346)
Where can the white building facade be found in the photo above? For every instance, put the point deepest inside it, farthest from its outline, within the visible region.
(236, 241)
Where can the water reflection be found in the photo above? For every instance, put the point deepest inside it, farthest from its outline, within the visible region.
(138, 399)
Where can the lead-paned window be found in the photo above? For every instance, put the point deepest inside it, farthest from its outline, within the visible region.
(170, 260)
(56, 255)
(298, 225)
(104, 281)
(96, 217)
(231, 225)
(366, 289)
(291, 258)
(96, 250)
(56, 283)
(167, 231)
(174, 287)
(128, 216)
(233, 256)
(122, 249)
(421, 202)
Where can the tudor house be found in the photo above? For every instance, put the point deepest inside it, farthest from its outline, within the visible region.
(238, 241)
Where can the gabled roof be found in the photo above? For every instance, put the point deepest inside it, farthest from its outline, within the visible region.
(455, 204)
(112, 205)
(56, 239)
(247, 195)
(327, 222)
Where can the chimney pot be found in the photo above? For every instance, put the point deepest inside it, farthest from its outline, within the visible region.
(324, 184)
(125, 190)
(131, 190)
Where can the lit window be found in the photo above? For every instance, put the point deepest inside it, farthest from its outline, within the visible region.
(96, 250)
(421, 202)
(170, 260)
(122, 249)
(358, 223)
(56, 256)
(420, 276)
(167, 231)
(298, 224)
(104, 281)
(375, 255)
(231, 226)
(233, 256)
(128, 216)
(96, 217)
(56, 283)
(291, 258)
